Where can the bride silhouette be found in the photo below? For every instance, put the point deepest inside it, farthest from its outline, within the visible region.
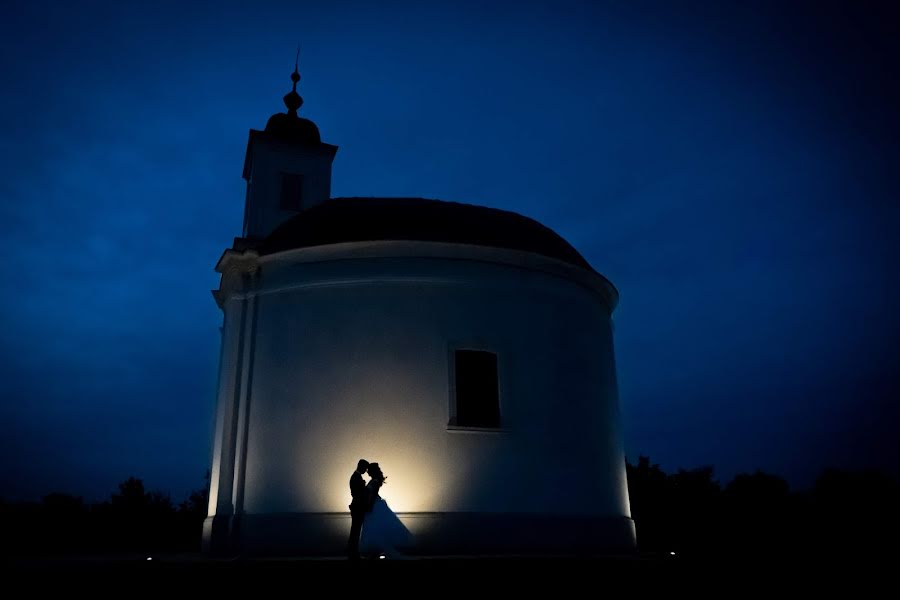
(382, 531)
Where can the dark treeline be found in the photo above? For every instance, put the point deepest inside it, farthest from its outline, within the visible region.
(687, 512)
(691, 514)
(133, 520)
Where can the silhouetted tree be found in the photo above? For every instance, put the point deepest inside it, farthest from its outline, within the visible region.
(648, 491)
(854, 510)
(131, 496)
(61, 522)
(673, 513)
(132, 520)
(757, 515)
(695, 496)
(63, 504)
(191, 514)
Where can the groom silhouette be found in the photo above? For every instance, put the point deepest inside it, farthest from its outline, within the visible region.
(358, 507)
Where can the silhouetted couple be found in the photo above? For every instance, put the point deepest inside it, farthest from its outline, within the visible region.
(375, 530)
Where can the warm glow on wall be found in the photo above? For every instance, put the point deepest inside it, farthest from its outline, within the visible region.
(413, 476)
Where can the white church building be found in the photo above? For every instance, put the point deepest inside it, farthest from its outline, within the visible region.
(467, 350)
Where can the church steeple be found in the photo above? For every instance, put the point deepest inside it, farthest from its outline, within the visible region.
(287, 167)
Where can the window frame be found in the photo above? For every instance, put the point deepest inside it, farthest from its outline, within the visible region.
(452, 425)
(300, 189)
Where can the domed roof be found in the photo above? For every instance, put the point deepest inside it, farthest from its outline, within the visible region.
(372, 219)
(293, 129)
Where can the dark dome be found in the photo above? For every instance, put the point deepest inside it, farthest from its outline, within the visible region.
(370, 219)
(294, 129)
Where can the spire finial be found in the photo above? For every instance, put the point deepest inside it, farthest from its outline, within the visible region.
(292, 99)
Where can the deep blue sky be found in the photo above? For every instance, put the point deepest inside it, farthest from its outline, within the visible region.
(732, 169)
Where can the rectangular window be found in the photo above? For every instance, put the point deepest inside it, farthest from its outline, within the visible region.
(291, 191)
(477, 401)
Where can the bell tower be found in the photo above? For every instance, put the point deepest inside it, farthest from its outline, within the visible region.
(287, 168)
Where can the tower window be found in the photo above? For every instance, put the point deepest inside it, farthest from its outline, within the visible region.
(291, 191)
(477, 398)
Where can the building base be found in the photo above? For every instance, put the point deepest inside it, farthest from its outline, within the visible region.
(325, 534)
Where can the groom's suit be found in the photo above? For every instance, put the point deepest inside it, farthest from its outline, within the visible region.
(358, 508)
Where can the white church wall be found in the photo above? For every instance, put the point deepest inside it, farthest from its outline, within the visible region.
(351, 358)
(221, 471)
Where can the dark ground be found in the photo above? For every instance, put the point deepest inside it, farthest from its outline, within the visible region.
(842, 535)
(723, 576)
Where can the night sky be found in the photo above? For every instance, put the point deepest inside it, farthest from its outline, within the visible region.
(733, 170)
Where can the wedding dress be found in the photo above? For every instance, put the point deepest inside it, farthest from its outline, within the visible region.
(383, 533)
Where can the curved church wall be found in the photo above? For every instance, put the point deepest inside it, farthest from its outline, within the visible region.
(331, 355)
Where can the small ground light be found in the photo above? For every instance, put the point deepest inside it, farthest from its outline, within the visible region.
(671, 553)
(380, 556)
(149, 558)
